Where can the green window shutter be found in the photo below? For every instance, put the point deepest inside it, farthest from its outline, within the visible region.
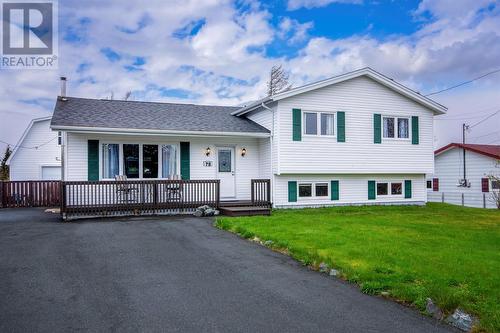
(414, 130)
(292, 191)
(93, 160)
(334, 189)
(377, 128)
(407, 189)
(340, 126)
(297, 125)
(185, 163)
(371, 190)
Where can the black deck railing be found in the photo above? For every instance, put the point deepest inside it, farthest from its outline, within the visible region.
(261, 192)
(135, 197)
(29, 193)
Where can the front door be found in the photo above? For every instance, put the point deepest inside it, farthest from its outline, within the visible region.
(225, 172)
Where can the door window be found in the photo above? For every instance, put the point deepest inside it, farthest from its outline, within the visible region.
(224, 160)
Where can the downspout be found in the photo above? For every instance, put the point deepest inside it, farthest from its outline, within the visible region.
(271, 139)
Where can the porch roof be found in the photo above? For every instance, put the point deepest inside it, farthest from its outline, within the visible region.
(84, 113)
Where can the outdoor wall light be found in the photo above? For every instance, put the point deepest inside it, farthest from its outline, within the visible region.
(208, 151)
(243, 152)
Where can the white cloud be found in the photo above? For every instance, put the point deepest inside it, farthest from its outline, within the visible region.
(225, 62)
(296, 4)
(294, 31)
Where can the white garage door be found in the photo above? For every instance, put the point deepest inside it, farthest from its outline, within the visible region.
(51, 173)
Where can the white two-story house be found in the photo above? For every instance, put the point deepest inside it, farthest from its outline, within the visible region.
(357, 138)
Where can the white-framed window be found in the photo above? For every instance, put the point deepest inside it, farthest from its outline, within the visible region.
(396, 188)
(382, 189)
(139, 160)
(390, 188)
(110, 160)
(310, 123)
(319, 123)
(396, 127)
(321, 189)
(305, 190)
(313, 189)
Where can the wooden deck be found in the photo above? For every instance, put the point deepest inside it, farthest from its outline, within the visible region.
(243, 208)
(152, 197)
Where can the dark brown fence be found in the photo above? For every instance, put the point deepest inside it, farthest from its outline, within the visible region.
(30, 193)
(134, 197)
(261, 192)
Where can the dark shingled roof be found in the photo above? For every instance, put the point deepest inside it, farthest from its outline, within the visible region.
(84, 112)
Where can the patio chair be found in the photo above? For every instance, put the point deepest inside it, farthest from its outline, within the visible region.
(125, 192)
(174, 191)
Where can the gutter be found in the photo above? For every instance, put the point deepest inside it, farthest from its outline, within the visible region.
(107, 130)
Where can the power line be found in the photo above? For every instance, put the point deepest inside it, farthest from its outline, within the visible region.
(482, 136)
(481, 121)
(463, 83)
(465, 118)
(34, 147)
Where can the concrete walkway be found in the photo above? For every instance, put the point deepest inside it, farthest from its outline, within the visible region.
(171, 274)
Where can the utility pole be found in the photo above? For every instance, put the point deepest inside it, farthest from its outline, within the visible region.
(464, 128)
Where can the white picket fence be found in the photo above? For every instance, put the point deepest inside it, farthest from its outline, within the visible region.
(478, 200)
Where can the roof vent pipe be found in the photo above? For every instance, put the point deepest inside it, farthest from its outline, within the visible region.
(63, 86)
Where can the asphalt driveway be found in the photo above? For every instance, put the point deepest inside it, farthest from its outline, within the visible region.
(171, 274)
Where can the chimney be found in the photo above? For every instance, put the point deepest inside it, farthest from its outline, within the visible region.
(63, 86)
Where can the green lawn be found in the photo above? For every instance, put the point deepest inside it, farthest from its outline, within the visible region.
(448, 253)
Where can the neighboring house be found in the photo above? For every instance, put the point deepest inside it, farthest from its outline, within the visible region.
(357, 138)
(37, 155)
(481, 161)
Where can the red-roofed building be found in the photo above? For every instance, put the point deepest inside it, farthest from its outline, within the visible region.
(481, 161)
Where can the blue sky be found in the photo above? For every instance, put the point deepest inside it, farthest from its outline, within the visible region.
(220, 52)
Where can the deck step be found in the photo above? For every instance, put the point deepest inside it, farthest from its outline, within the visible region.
(245, 211)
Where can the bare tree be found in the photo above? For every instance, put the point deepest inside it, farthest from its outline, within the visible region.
(495, 192)
(278, 81)
(127, 95)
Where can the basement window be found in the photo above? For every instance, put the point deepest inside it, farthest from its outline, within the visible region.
(382, 188)
(396, 188)
(321, 189)
(305, 190)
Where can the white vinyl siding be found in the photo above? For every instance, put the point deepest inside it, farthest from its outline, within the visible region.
(360, 99)
(449, 169)
(246, 168)
(27, 164)
(353, 190)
